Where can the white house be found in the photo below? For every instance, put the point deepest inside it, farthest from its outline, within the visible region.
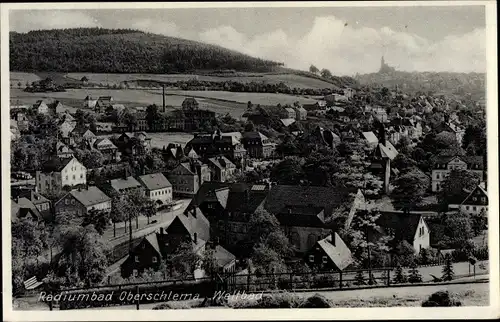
(58, 173)
(157, 187)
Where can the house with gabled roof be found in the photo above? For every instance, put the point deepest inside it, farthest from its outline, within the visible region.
(444, 164)
(107, 148)
(410, 227)
(42, 204)
(187, 177)
(103, 104)
(192, 227)
(24, 208)
(63, 151)
(222, 168)
(79, 202)
(156, 187)
(258, 145)
(305, 218)
(89, 102)
(125, 184)
(329, 254)
(59, 173)
(41, 107)
(472, 202)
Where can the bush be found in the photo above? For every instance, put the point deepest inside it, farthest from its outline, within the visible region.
(325, 280)
(400, 276)
(282, 300)
(441, 298)
(414, 276)
(316, 301)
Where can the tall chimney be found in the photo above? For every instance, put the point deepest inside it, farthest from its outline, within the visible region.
(163, 97)
(195, 238)
(161, 231)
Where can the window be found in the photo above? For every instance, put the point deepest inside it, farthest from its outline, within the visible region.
(420, 247)
(467, 207)
(66, 201)
(81, 176)
(137, 259)
(324, 259)
(155, 259)
(483, 199)
(437, 176)
(311, 258)
(72, 201)
(143, 245)
(474, 208)
(66, 177)
(135, 273)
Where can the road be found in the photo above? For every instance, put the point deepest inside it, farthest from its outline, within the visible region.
(161, 217)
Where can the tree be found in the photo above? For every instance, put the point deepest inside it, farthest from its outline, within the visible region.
(183, 260)
(153, 116)
(118, 211)
(100, 219)
(249, 127)
(456, 183)
(424, 256)
(446, 140)
(458, 227)
(267, 260)
(84, 256)
(410, 188)
(261, 224)
(326, 73)
(414, 276)
(400, 276)
(313, 69)
(448, 272)
(359, 279)
(29, 236)
(209, 262)
(479, 222)
(403, 163)
(362, 237)
(288, 171)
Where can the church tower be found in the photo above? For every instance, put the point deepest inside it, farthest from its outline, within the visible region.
(382, 63)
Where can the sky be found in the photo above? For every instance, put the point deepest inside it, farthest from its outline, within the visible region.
(345, 40)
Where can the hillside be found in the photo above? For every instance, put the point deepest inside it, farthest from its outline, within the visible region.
(122, 51)
(439, 82)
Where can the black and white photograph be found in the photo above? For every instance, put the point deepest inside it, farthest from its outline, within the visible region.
(221, 158)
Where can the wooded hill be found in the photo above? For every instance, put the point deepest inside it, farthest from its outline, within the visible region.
(100, 50)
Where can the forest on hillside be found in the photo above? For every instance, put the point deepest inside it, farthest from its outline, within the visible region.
(98, 50)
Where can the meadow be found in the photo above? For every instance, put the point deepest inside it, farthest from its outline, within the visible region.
(161, 139)
(288, 79)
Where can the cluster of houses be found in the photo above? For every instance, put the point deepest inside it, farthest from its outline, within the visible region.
(219, 213)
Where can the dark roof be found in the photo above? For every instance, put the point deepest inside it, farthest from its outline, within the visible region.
(56, 164)
(120, 184)
(281, 198)
(35, 197)
(154, 181)
(90, 197)
(234, 197)
(24, 203)
(221, 162)
(403, 223)
(254, 135)
(478, 191)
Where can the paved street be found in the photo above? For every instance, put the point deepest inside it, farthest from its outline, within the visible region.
(161, 218)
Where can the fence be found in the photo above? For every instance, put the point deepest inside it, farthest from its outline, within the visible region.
(307, 280)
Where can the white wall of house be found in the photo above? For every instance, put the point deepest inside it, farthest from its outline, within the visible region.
(106, 206)
(164, 194)
(473, 209)
(422, 236)
(73, 174)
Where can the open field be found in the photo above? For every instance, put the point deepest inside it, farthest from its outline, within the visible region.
(290, 80)
(255, 98)
(219, 101)
(161, 139)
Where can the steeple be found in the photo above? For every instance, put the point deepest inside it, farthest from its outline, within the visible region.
(382, 63)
